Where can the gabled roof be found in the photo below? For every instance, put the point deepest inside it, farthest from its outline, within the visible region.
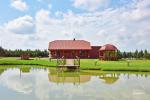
(69, 45)
(108, 47)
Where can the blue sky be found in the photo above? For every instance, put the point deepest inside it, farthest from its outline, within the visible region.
(31, 24)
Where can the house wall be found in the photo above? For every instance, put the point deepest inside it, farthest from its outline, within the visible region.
(83, 54)
(108, 55)
(69, 53)
(94, 52)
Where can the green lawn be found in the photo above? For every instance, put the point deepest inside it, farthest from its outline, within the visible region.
(33, 61)
(134, 65)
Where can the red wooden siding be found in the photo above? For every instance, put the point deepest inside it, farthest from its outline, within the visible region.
(94, 52)
(69, 53)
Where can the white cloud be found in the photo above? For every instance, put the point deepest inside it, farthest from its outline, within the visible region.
(90, 5)
(21, 25)
(124, 27)
(42, 16)
(11, 80)
(116, 26)
(19, 5)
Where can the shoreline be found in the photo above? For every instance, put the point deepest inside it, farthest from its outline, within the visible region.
(91, 69)
(86, 64)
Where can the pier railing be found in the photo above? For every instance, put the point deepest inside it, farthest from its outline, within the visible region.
(61, 61)
(68, 63)
(77, 61)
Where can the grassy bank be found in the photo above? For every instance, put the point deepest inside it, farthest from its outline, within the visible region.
(33, 61)
(91, 64)
(133, 65)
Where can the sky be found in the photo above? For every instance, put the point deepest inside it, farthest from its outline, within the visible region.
(32, 24)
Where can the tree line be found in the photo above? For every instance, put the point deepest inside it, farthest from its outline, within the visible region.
(142, 54)
(44, 53)
(18, 52)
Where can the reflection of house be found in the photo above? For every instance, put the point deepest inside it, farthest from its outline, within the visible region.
(109, 78)
(74, 78)
(82, 49)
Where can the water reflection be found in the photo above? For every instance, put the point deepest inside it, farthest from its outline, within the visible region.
(68, 77)
(109, 78)
(2, 70)
(75, 77)
(25, 69)
(32, 83)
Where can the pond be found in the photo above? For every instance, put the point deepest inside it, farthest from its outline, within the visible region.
(31, 83)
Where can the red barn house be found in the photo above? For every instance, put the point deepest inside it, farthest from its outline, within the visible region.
(80, 48)
(69, 48)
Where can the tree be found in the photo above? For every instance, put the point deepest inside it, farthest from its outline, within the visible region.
(124, 54)
(136, 54)
(119, 54)
(148, 57)
(129, 55)
(145, 54)
(140, 54)
(2, 52)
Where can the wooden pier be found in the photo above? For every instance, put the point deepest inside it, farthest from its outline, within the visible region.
(68, 63)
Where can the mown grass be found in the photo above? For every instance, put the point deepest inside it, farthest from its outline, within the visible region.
(33, 61)
(85, 64)
(134, 65)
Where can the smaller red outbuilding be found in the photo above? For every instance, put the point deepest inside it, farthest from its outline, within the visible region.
(108, 52)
